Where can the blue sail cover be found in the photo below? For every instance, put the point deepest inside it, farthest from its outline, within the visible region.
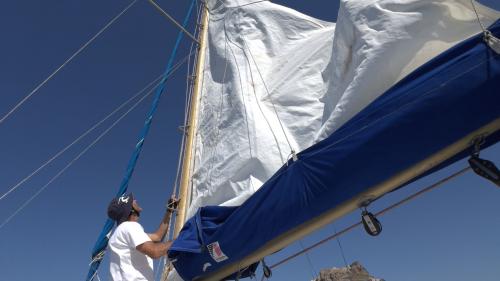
(438, 104)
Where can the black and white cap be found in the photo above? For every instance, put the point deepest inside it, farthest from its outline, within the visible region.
(119, 208)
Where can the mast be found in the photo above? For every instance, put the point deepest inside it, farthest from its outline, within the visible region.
(184, 192)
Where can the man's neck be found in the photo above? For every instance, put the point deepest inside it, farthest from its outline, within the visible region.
(133, 217)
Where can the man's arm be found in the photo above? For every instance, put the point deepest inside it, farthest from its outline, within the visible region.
(154, 250)
(158, 235)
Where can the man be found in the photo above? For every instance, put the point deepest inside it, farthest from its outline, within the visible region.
(132, 250)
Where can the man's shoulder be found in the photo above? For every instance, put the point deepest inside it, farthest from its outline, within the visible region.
(129, 226)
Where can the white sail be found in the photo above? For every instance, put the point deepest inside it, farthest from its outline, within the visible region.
(379, 42)
(264, 66)
(277, 80)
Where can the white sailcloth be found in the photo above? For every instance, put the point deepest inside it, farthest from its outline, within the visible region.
(264, 66)
(277, 80)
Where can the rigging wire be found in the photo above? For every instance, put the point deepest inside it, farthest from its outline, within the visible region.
(170, 18)
(102, 240)
(232, 7)
(340, 245)
(75, 159)
(55, 156)
(90, 145)
(382, 212)
(83, 47)
(311, 267)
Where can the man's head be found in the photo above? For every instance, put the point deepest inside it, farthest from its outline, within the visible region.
(121, 208)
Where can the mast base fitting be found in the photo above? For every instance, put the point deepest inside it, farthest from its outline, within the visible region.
(371, 224)
(485, 169)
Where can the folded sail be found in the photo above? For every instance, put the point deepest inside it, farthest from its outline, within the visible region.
(437, 109)
(379, 42)
(277, 80)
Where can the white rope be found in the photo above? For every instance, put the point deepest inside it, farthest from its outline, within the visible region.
(15, 186)
(83, 152)
(35, 90)
(269, 95)
(241, 90)
(246, 47)
(477, 15)
(98, 257)
(254, 91)
(93, 276)
(491, 41)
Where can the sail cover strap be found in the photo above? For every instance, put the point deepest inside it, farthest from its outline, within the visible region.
(102, 242)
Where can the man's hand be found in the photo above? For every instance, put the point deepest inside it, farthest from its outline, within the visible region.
(158, 235)
(172, 204)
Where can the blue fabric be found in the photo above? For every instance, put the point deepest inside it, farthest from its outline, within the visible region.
(444, 100)
(102, 241)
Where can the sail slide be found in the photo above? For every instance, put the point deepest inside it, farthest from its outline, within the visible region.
(424, 122)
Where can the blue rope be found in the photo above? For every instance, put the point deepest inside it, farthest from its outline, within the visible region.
(102, 242)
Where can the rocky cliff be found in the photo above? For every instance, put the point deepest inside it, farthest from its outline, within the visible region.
(354, 272)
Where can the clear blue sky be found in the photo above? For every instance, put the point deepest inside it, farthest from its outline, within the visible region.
(449, 234)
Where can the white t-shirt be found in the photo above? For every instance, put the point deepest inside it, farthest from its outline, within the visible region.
(126, 263)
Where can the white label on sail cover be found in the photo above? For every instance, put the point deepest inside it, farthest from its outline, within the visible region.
(216, 252)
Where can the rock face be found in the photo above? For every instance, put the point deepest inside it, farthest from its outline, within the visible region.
(355, 272)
